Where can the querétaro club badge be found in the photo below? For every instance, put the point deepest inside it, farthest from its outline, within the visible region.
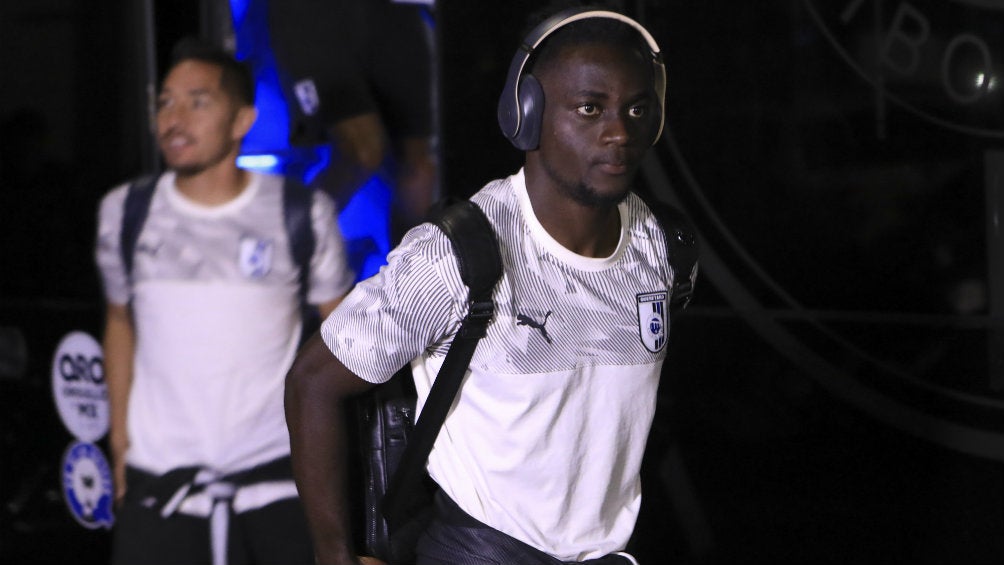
(87, 485)
(652, 320)
(256, 257)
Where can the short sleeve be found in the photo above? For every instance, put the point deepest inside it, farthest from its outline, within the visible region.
(108, 256)
(412, 306)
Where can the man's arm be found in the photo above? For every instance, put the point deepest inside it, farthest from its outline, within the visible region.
(119, 348)
(361, 144)
(317, 386)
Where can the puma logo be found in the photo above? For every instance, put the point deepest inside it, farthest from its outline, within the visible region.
(524, 320)
(148, 248)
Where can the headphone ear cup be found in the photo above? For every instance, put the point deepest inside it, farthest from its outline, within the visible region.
(531, 109)
(507, 111)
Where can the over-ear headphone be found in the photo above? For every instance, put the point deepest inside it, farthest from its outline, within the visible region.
(521, 105)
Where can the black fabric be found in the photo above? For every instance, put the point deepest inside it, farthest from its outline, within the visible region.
(397, 497)
(156, 491)
(382, 421)
(475, 246)
(296, 207)
(276, 534)
(453, 537)
(681, 248)
(135, 209)
(362, 56)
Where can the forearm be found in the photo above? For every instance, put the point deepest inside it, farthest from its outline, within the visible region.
(317, 388)
(118, 347)
(119, 344)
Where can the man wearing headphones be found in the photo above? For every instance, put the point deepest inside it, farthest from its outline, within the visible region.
(538, 461)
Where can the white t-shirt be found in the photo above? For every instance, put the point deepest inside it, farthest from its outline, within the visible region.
(217, 319)
(546, 438)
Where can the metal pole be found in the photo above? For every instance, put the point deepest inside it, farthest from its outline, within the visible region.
(993, 166)
(150, 157)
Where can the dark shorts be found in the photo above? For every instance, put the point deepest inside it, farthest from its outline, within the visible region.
(362, 57)
(272, 535)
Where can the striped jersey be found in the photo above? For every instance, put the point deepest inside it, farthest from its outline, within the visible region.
(546, 438)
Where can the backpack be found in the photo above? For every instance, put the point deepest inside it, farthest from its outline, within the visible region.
(296, 204)
(397, 492)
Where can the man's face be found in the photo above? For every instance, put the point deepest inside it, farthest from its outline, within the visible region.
(198, 124)
(600, 116)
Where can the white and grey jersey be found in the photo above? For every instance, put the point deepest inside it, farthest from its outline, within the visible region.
(216, 310)
(546, 439)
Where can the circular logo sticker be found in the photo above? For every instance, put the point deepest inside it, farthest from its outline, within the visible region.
(78, 386)
(87, 485)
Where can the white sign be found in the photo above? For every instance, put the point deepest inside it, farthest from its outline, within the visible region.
(78, 386)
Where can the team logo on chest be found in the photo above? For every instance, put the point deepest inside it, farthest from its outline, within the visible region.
(255, 257)
(652, 320)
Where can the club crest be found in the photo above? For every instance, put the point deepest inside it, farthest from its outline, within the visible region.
(652, 320)
(87, 485)
(256, 257)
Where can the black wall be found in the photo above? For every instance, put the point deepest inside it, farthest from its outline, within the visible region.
(832, 396)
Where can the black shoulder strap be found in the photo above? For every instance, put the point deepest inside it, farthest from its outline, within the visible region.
(477, 252)
(681, 248)
(134, 212)
(296, 207)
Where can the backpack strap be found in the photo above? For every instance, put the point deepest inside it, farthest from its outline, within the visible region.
(297, 200)
(681, 248)
(477, 252)
(134, 212)
(296, 207)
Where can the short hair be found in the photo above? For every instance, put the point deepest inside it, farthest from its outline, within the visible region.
(235, 78)
(604, 31)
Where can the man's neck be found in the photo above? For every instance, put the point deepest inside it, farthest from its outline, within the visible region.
(585, 230)
(213, 186)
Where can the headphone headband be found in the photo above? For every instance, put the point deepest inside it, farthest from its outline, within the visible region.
(516, 105)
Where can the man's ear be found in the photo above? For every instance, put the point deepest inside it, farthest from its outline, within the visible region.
(245, 118)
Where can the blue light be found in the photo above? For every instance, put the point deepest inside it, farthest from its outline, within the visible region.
(264, 163)
(365, 218)
(238, 9)
(365, 224)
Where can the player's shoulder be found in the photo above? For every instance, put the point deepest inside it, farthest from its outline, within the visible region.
(114, 199)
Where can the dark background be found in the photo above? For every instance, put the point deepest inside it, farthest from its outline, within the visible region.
(834, 393)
